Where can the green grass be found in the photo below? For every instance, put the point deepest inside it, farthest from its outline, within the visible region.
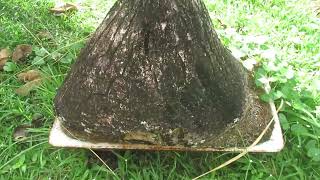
(293, 33)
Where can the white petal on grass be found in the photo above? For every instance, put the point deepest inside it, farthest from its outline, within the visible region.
(237, 53)
(312, 26)
(272, 66)
(231, 32)
(260, 39)
(316, 84)
(269, 54)
(290, 73)
(264, 80)
(296, 40)
(249, 64)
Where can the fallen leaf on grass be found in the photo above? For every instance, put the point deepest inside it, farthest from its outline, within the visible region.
(5, 53)
(28, 87)
(44, 35)
(4, 56)
(62, 8)
(22, 51)
(20, 133)
(29, 75)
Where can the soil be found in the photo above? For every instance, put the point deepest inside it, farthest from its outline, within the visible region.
(246, 130)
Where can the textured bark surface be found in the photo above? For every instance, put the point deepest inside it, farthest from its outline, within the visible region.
(154, 72)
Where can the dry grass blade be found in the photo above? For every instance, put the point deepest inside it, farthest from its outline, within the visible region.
(240, 155)
(105, 164)
(245, 151)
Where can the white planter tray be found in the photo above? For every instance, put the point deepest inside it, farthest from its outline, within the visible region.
(58, 138)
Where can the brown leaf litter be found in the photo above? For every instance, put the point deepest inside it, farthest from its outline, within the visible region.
(64, 7)
(4, 56)
(29, 75)
(21, 52)
(28, 87)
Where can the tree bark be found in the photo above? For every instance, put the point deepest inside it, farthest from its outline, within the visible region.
(154, 67)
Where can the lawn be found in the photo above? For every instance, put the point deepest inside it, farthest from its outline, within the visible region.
(282, 37)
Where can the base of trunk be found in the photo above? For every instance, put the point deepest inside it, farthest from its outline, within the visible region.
(241, 133)
(235, 138)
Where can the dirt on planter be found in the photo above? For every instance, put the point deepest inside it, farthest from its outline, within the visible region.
(242, 133)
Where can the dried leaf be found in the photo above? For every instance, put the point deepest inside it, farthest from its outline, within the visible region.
(22, 51)
(29, 75)
(4, 55)
(62, 8)
(176, 135)
(20, 133)
(44, 35)
(28, 87)
(141, 137)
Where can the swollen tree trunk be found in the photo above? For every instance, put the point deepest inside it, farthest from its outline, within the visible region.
(155, 68)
